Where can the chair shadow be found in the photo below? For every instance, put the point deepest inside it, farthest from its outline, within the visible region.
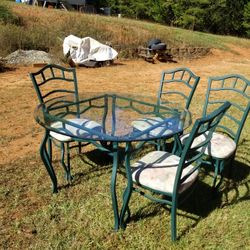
(237, 177)
(204, 199)
(101, 158)
(209, 199)
(97, 161)
(201, 197)
(142, 213)
(238, 172)
(240, 168)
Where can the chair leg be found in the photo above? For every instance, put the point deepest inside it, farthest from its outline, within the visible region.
(79, 147)
(50, 148)
(66, 166)
(230, 167)
(69, 176)
(173, 221)
(159, 145)
(46, 158)
(218, 170)
(177, 147)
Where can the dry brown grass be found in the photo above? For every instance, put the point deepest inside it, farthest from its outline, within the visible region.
(19, 133)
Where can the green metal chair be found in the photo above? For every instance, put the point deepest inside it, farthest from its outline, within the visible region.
(170, 178)
(51, 82)
(222, 148)
(177, 87)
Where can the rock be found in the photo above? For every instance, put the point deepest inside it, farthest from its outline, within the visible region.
(29, 57)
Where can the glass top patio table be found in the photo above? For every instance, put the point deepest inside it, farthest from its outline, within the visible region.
(111, 119)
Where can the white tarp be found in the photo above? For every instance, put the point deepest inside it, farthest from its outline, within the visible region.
(86, 49)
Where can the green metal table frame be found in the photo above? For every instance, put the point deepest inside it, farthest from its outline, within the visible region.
(58, 109)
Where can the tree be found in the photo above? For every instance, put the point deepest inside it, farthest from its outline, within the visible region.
(215, 16)
(226, 16)
(246, 19)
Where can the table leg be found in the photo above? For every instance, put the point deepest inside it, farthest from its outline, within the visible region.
(45, 156)
(113, 185)
(128, 190)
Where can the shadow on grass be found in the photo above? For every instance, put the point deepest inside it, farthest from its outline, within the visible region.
(235, 175)
(97, 163)
(237, 178)
(204, 199)
(201, 202)
(94, 167)
(234, 180)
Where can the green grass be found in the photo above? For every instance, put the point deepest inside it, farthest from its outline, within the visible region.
(80, 216)
(7, 17)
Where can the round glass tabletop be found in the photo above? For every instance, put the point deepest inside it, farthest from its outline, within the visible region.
(111, 117)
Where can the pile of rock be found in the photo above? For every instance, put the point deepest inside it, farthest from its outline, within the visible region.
(29, 57)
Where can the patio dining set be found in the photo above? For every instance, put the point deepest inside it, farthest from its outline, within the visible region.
(126, 123)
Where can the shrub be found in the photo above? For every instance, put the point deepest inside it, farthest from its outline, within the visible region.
(7, 17)
(2, 65)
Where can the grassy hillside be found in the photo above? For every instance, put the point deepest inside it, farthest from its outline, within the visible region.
(45, 29)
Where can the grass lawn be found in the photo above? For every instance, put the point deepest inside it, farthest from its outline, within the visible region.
(80, 216)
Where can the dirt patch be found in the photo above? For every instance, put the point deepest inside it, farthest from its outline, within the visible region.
(19, 133)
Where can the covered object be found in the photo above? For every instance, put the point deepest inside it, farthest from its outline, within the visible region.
(84, 50)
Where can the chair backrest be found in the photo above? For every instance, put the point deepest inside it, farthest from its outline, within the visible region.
(235, 89)
(53, 81)
(202, 128)
(177, 87)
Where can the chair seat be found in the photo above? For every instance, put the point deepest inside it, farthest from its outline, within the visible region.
(220, 146)
(146, 123)
(157, 170)
(85, 123)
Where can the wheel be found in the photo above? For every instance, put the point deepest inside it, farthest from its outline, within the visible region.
(107, 63)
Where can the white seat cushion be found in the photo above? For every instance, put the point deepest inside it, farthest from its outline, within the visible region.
(71, 130)
(220, 146)
(157, 170)
(146, 123)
